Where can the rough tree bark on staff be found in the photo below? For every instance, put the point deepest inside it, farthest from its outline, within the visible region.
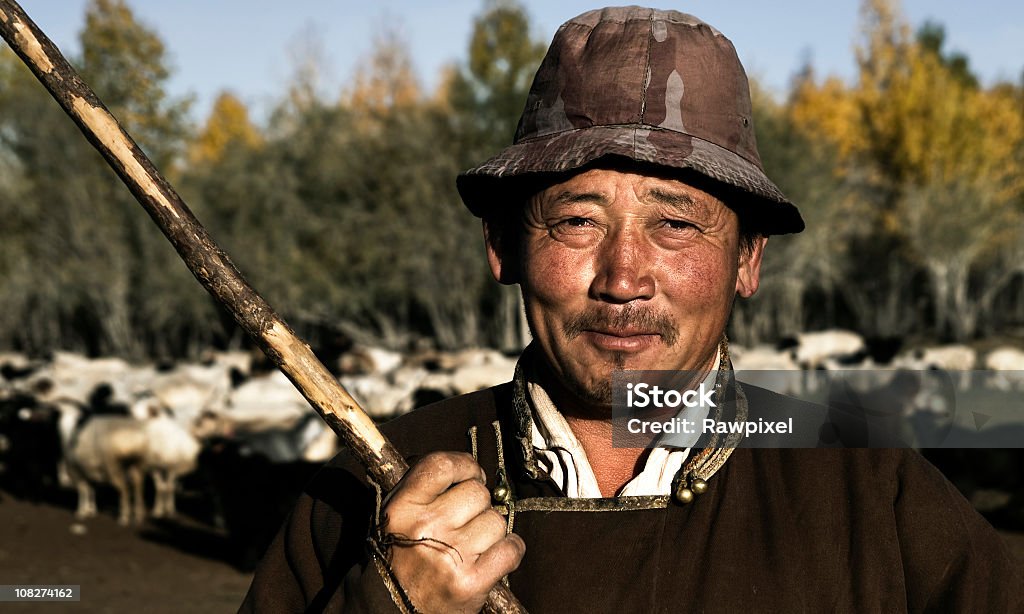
(210, 265)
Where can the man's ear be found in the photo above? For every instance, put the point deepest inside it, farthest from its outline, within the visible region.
(502, 250)
(748, 276)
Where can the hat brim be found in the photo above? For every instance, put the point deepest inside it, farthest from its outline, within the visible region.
(571, 150)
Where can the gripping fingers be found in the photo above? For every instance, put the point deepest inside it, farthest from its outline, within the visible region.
(482, 532)
(455, 546)
(462, 503)
(499, 560)
(434, 474)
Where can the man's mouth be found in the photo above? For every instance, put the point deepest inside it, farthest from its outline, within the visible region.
(630, 329)
(622, 340)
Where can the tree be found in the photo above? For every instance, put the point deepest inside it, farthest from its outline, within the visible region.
(934, 150)
(488, 94)
(227, 126)
(486, 97)
(126, 63)
(417, 249)
(387, 80)
(949, 151)
(800, 273)
(94, 271)
(931, 36)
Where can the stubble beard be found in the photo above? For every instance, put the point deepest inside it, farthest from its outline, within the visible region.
(597, 318)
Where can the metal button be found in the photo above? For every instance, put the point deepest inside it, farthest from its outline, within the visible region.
(684, 495)
(501, 494)
(699, 486)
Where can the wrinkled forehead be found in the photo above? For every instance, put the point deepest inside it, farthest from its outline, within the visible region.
(604, 188)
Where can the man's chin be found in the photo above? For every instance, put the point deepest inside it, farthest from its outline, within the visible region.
(591, 392)
(593, 389)
(590, 383)
(596, 396)
(646, 360)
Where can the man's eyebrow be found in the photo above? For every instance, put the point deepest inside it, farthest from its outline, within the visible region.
(677, 200)
(569, 197)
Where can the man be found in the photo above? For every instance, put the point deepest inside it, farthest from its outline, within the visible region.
(631, 210)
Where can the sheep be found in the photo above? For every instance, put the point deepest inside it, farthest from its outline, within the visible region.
(77, 377)
(270, 397)
(959, 359)
(189, 390)
(367, 360)
(171, 452)
(121, 450)
(282, 440)
(809, 350)
(109, 450)
(14, 366)
(383, 396)
(493, 369)
(29, 447)
(769, 368)
(239, 363)
(1008, 366)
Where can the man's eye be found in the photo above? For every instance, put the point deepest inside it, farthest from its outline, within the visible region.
(575, 222)
(679, 224)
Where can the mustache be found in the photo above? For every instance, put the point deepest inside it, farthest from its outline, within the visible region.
(643, 318)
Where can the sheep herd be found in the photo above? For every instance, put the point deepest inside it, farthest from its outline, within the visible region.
(70, 423)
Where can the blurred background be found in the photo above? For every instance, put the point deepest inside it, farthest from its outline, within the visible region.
(319, 144)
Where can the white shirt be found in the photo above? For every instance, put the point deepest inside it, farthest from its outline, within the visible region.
(560, 454)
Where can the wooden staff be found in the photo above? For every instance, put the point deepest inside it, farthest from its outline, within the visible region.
(210, 265)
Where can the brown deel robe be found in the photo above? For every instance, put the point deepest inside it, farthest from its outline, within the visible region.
(779, 530)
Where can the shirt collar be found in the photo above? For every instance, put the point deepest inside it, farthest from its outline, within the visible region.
(555, 451)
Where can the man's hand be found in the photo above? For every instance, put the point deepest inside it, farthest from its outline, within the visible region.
(450, 547)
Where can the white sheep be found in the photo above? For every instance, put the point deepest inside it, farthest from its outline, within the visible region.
(189, 390)
(121, 450)
(813, 348)
(957, 359)
(769, 368)
(171, 452)
(109, 450)
(1008, 366)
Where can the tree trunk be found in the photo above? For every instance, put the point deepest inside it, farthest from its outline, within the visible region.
(963, 310)
(939, 274)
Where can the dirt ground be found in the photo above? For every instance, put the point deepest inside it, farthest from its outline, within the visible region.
(157, 568)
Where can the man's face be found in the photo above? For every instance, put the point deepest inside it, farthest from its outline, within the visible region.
(627, 271)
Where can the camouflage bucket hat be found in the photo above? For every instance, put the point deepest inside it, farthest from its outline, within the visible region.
(653, 87)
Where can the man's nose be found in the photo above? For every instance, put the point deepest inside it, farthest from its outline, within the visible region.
(623, 267)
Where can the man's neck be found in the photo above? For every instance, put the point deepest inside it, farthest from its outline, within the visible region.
(592, 425)
(613, 467)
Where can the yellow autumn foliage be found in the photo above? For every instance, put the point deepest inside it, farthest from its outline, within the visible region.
(386, 80)
(829, 111)
(227, 125)
(909, 117)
